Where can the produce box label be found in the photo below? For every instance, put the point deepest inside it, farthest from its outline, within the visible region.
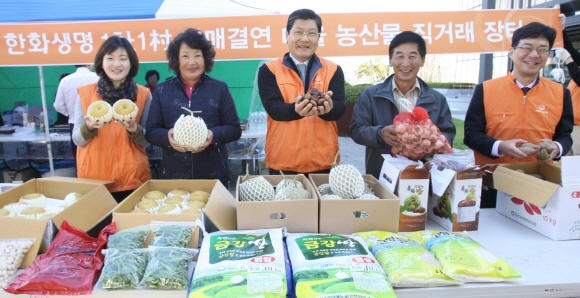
(239, 246)
(413, 194)
(328, 246)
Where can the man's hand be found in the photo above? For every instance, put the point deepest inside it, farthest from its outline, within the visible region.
(390, 137)
(173, 143)
(304, 108)
(328, 104)
(510, 148)
(91, 125)
(548, 150)
(562, 55)
(562, 20)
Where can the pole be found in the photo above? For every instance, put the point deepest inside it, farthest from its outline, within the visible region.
(46, 128)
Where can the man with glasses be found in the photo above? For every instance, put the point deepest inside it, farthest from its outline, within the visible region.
(302, 137)
(520, 107)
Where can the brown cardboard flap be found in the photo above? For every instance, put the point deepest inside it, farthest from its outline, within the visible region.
(221, 208)
(19, 227)
(80, 180)
(523, 186)
(412, 172)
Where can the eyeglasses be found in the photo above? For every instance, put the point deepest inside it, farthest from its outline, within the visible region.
(528, 50)
(309, 34)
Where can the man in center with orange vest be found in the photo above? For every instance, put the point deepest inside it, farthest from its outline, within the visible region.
(520, 107)
(302, 137)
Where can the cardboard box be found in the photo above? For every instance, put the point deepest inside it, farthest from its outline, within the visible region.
(456, 197)
(88, 211)
(220, 207)
(351, 216)
(298, 216)
(410, 183)
(550, 207)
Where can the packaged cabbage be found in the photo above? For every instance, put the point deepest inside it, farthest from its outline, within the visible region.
(463, 258)
(406, 262)
(248, 263)
(337, 266)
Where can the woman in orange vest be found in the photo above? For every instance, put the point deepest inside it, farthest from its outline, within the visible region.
(113, 151)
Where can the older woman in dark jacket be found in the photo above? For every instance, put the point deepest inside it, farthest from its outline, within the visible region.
(190, 56)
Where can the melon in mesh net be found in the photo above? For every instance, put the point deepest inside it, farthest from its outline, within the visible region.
(100, 110)
(292, 193)
(346, 181)
(256, 189)
(124, 110)
(287, 182)
(190, 131)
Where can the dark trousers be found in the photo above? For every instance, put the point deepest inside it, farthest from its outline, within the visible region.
(277, 172)
(488, 198)
(72, 144)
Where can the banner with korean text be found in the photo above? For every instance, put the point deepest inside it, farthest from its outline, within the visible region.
(259, 37)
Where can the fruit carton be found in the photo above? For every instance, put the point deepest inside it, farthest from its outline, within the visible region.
(409, 181)
(550, 207)
(455, 198)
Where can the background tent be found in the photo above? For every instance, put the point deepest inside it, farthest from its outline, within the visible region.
(22, 83)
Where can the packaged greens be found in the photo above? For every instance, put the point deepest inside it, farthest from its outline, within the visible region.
(335, 266)
(128, 239)
(249, 263)
(406, 262)
(172, 234)
(464, 259)
(123, 269)
(168, 268)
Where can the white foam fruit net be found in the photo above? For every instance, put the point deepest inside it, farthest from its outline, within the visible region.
(190, 132)
(346, 181)
(256, 189)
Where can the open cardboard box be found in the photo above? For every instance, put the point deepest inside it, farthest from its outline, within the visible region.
(456, 198)
(550, 207)
(94, 206)
(220, 208)
(298, 216)
(351, 216)
(409, 181)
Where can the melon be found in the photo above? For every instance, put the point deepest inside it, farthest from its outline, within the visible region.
(189, 131)
(125, 110)
(101, 111)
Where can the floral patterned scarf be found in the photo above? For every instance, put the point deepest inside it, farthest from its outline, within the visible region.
(127, 89)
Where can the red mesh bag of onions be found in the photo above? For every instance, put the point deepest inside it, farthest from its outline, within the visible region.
(419, 136)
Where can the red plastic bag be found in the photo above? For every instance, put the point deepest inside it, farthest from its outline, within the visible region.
(70, 266)
(419, 136)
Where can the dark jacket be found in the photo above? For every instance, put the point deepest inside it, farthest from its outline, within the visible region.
(213, 98)
(376, 108)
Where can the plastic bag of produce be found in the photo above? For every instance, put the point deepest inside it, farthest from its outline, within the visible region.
(168, 268)
(247, 263)
(129, 239)
(406, 262)
(68, 267)
(123, 269)
(12, 252)
(171, 234)
(464, 259)
(337, 266)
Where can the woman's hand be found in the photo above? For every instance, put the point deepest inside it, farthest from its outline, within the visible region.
(92, 125)
(208, 142)
(130, 126)
(173, 143)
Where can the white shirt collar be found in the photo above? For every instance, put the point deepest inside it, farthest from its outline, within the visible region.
(298, 62)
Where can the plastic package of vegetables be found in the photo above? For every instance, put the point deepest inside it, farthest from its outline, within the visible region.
(463, 258)
(129, 239)
(12, 252)
(168, 268)
(335, 266)
(123, 269)
(406, 262)
(418, 135)
(250, 263)
(172, 234)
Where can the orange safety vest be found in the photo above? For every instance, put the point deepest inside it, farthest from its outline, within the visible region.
(575, 93)
(111, 154)
(305, 145)
(511, 115)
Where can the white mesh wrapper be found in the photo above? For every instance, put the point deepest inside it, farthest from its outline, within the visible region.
(292, 193)
(288, 183)
(367, 196)
(190, 132)
(346, 181)
(256, 189)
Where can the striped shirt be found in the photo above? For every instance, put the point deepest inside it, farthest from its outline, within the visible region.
(412, 95)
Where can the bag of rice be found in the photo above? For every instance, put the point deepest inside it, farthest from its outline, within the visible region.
(464, 259)
(406, 262)
(337, 266)
(241, 264)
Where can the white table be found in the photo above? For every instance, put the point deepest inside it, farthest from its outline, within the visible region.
(550, 268)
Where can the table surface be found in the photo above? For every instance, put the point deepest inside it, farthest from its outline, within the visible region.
(550, 268)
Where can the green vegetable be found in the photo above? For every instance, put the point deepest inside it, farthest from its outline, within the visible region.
(412, 202)
(172, 236)
(168, 269)
(123, 269)
(128, 239)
